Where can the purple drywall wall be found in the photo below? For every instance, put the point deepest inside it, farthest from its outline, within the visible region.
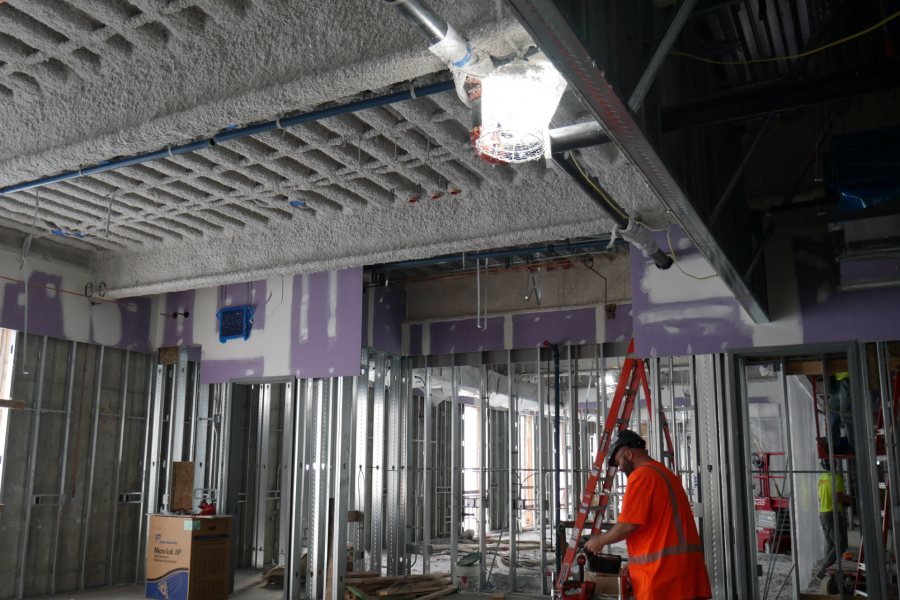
(388, 314)
(448, 337)
(870, 315)
(326, 324)
(694, 325)
(619, 328)
(564, 327)
(135, 314)
(179, 331)
(47, 314)
(220, 371)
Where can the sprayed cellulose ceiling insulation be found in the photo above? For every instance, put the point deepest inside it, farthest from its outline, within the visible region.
(85, 82)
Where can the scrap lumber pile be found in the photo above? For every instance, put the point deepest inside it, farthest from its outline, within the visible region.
(369, 586)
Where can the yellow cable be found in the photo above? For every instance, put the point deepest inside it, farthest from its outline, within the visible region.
(590, 182)
(789, 56)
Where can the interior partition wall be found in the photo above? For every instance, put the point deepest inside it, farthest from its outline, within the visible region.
(73, 484)
(792, 407)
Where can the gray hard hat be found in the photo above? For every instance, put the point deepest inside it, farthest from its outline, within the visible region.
(626, 439)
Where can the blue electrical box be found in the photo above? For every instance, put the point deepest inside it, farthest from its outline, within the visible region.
(235, 322)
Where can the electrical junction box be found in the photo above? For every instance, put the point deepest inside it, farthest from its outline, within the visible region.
(235, 322)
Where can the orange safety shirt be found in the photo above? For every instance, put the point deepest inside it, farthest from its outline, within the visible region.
(665, 556)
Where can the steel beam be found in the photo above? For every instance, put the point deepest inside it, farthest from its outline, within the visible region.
(120, 442)
(377, 478)
(561, 44)
(636, 101)
(34, 438)
(89, 484)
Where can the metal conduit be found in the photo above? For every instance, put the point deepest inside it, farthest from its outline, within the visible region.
(233, 134)
(432, 27)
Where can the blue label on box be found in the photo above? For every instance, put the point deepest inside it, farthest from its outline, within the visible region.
(171, 586)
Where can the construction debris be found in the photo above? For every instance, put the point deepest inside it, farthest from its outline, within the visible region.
(370, 586)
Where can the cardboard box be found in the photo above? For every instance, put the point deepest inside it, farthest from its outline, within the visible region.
(605, 585)
(188, 558)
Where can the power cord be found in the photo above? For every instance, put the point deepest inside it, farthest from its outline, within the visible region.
(810, 52)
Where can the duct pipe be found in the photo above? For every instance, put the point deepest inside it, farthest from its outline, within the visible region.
(628, 228)
(573, 137)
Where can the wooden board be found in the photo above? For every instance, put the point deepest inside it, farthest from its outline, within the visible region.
(182, 486)
(13, 404)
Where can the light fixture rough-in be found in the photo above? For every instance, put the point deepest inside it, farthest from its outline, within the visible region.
(518, 100)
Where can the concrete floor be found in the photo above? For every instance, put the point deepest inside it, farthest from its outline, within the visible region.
(246, 587)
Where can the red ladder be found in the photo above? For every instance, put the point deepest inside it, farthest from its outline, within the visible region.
(632, 379)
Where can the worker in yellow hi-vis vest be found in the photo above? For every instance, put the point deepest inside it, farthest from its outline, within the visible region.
(835, 541)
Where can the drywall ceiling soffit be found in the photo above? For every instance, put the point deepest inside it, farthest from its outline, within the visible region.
(222, 215)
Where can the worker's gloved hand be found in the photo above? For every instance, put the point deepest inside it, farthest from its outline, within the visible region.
(594, 545)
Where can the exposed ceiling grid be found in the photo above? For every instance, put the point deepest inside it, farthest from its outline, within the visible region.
(350, 162)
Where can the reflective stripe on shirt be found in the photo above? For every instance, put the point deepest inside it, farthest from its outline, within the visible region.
(682, 547)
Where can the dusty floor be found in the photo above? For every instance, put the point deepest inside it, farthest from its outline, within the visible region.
(246, 587)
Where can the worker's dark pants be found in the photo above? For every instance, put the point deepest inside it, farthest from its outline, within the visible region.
(827, 521)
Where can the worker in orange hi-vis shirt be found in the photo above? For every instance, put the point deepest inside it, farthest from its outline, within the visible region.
(665, 556)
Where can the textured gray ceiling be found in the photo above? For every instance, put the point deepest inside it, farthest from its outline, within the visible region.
(85, 81)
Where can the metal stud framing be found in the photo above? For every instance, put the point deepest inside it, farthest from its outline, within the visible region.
(870, 521)
(89, 493)
(513, 472)
(32, 460)
(316, 553)
(294, 589)
(202, 423)
(455, 465)
(482, 471)
(377, 471)
(892, 450)
(70, 385)
(540, 480)
(120, 441)
(262, 474)
(344, 402)
(396, 439)
(428, 475)
(362, 473)
(287, 474)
